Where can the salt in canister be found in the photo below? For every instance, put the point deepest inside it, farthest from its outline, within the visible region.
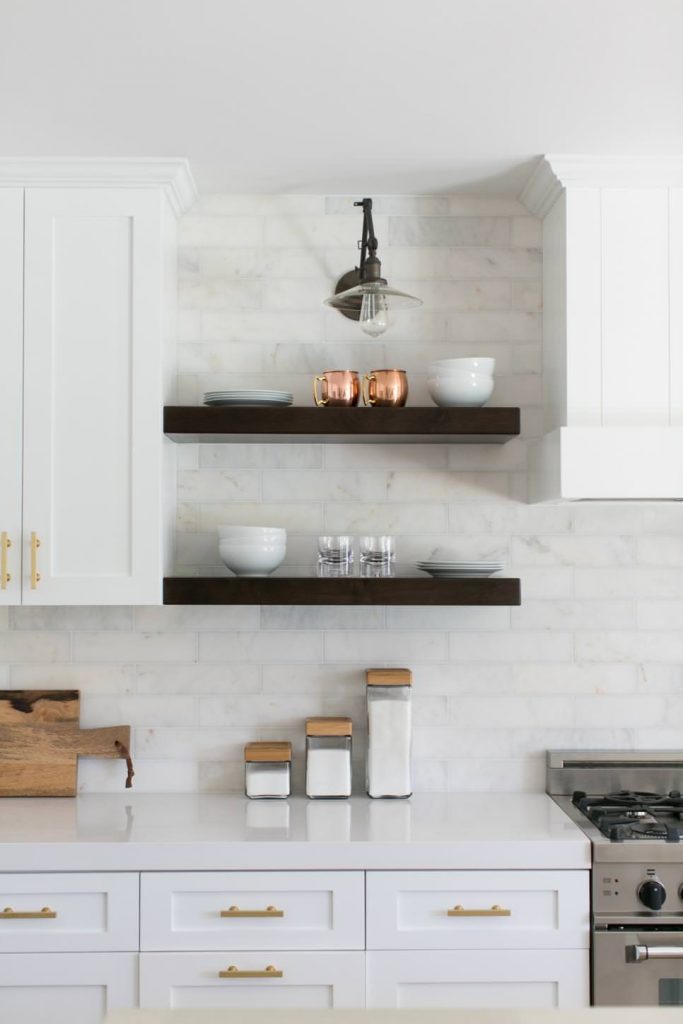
(389, 693)
(267, 769)
(328, 757)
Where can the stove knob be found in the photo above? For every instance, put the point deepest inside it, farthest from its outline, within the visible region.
(652, 894)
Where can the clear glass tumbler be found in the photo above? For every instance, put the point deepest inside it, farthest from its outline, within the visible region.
(379, 551)
(336, 553)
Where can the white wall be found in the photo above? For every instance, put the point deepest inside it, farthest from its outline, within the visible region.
(592, 657)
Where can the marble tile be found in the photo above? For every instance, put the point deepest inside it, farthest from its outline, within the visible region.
(70, 617)
(449, 231)
(35, 645)
(126, 647)
(212, 230)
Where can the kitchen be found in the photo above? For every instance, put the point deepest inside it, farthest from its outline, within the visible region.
(588, 658)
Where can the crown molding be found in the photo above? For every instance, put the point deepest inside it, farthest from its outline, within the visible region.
(171, 176)
(556, 172)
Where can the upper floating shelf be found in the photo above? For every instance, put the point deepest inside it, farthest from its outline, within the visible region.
(386, 425)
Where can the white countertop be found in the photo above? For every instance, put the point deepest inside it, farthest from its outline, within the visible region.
(139, 832)
(589, 1015)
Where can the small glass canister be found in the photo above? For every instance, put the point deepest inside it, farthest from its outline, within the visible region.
(267, 770)
(328, 758)
(389, 694)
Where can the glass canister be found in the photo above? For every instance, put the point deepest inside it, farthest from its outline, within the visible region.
(328, 758)
(389, 692)
(267, 769)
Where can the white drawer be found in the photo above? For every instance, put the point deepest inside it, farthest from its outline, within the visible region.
(533, 909)
(297, 980)
(478, 979)
(74, 912)
(308, 910)
(66, 988)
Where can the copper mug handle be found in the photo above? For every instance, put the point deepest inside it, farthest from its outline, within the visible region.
(366, 389)
(319, 401)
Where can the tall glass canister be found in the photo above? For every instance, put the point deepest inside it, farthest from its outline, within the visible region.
(389, 693)
(267, 769)
(328, 757)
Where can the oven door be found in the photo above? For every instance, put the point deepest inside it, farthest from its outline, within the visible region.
(641, 967)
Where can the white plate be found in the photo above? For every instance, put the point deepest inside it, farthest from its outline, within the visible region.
(461, 568)
(272, 402)
(247, 394)
(461, 575)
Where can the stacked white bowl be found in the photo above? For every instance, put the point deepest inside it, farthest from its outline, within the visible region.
(466, 381)
(252, 550)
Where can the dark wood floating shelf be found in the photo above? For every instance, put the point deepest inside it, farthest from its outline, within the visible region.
(352, 590)
(412, 425)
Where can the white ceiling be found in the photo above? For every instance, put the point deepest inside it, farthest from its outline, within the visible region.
(360, 96)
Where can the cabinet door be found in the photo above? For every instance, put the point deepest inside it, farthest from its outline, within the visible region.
(478, 909)
(11, 384)
(484, 979)
(321, 981)
(87, 912)
(66, 988)
(93, 325)
(252, 910)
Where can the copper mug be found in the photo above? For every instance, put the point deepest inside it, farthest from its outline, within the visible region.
(385, 387)
(339, 387)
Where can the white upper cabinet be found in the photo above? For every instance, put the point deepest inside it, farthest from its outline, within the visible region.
(98, 297)
(612, 327)
(11, 331)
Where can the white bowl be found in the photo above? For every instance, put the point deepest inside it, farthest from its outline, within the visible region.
(467, 389)
(473, 364)
(246, 559)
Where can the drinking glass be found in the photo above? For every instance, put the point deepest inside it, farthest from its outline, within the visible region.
(377, 551)
(336, 552)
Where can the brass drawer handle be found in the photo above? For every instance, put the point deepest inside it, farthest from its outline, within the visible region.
(268, 912)
(23, 915)
(494, 911)
(5, 545)
(35, 575)
(235, 972)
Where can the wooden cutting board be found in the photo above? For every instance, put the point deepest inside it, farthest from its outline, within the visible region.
(41, 741)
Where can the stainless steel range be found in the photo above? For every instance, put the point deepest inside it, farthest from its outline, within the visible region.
(630, 805)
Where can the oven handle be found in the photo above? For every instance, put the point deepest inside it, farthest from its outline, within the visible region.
(638, 954)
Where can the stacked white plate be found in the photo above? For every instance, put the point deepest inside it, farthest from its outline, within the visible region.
(458, 570)
(256, 396)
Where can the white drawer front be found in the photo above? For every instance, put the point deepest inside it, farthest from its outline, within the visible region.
(505, 979)
(311, 910)
(309, 980)
(66, 988)
(409, 909)
(93, 912)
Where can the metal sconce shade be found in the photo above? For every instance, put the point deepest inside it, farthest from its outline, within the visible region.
(363, 294)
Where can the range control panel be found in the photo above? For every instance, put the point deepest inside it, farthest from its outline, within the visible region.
(638, 889)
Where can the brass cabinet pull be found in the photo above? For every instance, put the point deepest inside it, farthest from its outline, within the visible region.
(494, 911)
(23, 915)
(5, 545)
(268, 912)
(235, 972)
(35, 575)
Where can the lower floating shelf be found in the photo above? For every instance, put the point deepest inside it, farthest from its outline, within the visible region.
(396, 590)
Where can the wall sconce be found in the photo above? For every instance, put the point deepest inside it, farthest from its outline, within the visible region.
(363, 294)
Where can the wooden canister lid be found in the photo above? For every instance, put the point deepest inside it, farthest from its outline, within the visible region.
(389, 677)
(329, 726)
(273, 751)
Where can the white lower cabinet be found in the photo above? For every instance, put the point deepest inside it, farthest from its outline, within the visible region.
(70, 946)
(493, 978)
(66, 988)
(239, 980)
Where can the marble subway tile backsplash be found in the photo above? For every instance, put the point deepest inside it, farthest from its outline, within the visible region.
(592, 658)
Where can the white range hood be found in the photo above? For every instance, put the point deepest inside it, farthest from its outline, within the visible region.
(612, 328)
